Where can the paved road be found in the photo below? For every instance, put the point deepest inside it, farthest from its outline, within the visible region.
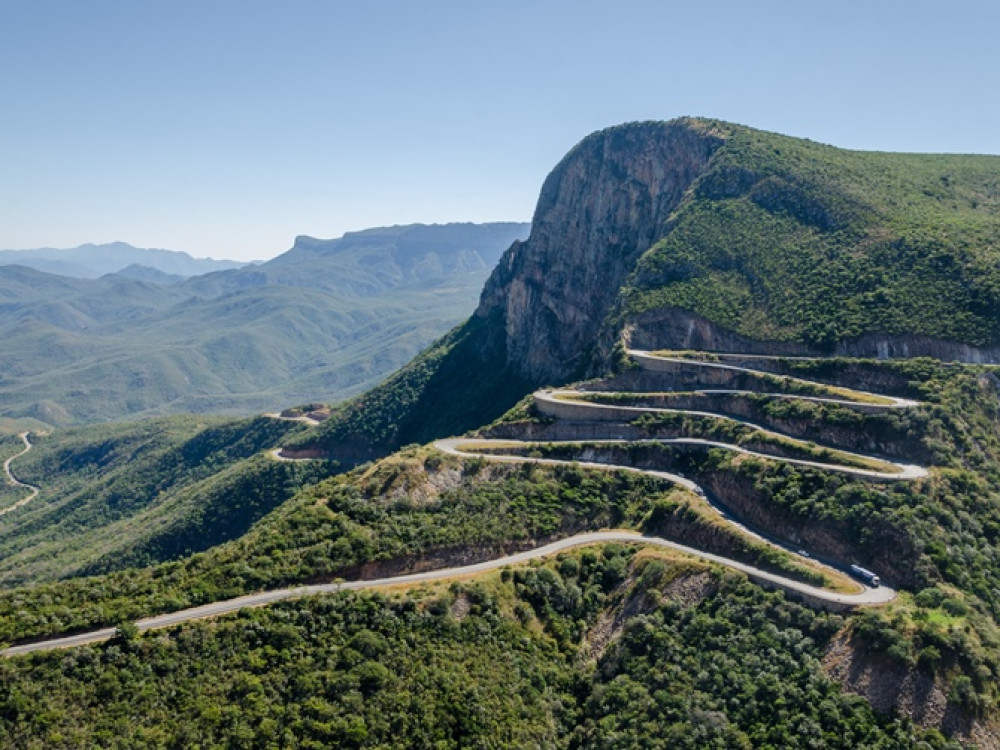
(471, 448)
(15, 481)
(467, 447)
(573, 406)
(305, 418)
(551, 402)
(868, 596)
(650, 361)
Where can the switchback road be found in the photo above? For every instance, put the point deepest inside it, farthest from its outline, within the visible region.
(33, 491)
(556, 402)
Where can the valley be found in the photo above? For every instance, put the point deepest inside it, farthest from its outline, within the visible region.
(617, 506)
(326, 319)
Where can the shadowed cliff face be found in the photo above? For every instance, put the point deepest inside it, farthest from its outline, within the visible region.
(608, 200)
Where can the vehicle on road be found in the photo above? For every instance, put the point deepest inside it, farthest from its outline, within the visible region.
(866, 575)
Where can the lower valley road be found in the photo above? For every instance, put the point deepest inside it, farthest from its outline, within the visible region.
(33, 491)
(868, 596)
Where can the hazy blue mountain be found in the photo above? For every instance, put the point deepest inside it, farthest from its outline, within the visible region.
(373, 261)
(90, 261)
(325, 320)
(140, 272)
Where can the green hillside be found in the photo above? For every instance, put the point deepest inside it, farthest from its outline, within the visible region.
(325, 320)
(126, 495)
(511, 661)
(786, 239)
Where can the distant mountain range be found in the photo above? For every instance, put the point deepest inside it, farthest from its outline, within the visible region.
(91, 261)
(324, 320)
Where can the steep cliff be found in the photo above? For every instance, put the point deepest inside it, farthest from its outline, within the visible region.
(702, 234)
(604, 205)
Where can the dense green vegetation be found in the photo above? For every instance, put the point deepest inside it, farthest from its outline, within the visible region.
(938, 537)
(786, 239)
(520, 659)
(323, 321)
(459, 383)
(416, 504)
(132, 494)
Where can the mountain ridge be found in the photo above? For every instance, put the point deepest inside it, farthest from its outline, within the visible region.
(238, 341)
(92, 260)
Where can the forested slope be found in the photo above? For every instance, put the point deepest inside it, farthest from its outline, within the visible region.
(119, 496)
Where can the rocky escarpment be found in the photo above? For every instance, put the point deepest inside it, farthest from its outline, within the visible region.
(706, 235)
(892, 687)
(605, 204)
(674, 328)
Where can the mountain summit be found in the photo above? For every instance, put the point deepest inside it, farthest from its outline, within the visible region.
(696, 233)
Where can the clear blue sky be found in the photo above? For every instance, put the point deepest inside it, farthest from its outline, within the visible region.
(226, 127)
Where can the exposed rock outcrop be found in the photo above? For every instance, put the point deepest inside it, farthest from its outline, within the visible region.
(613, 196)
(892, 688)
(673, 328)
(605, 204)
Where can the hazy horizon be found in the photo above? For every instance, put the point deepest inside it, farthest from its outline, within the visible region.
(224, 130)
(244, 260)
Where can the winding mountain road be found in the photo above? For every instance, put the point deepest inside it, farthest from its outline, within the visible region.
(489, 449)
(572, 405)
(554, 403)
(15, 481)
(651, 361)
(868, 596)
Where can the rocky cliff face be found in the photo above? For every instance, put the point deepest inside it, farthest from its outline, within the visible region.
(555, 299)
(673, 328)
(606, 203)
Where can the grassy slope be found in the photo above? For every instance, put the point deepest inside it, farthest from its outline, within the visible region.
(786, 239)
(133, 494)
